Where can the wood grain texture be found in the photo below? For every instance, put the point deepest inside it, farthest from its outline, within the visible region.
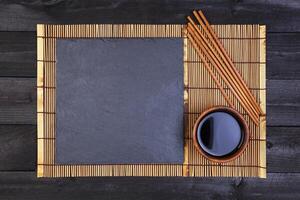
(282, 63)
(283, 56)
(18, 101)
(283, 149)
(24, 185)
(18, 55)
(283, 102)
(20, 15)
(18, 148)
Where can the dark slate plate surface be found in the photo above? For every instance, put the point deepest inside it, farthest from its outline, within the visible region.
(119, 101)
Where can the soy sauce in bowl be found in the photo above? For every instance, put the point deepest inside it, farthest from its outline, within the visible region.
(221, 134)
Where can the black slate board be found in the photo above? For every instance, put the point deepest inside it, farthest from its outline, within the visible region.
(119, 101)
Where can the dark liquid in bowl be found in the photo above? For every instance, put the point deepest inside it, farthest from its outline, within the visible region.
(219, 134)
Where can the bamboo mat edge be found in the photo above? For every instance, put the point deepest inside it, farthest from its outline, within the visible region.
(263, 151)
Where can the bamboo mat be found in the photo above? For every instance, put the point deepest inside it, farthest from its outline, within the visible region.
(200, 93)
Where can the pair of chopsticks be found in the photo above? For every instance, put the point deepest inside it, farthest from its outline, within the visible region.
(210, 50)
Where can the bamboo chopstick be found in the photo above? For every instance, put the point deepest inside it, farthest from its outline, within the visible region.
(220, 70)
(230, 72)
(200, 46)
(210, 71)
(209, 46)
(226, 72)
(231, 65)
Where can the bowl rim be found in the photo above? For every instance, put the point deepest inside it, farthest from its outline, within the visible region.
(242, 122)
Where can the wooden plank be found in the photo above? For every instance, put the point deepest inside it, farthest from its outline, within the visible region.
(283, 97)
(276, 186)
(283, 56)
(18, 144)
(283, 149)
(17, 54)
(283, 92)
(24, 185)
(282, 63)
(283, 115)
(17, 147)
(23, 16)
(15, 44)
(17, 101)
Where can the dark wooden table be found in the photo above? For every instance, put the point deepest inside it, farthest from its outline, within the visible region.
(18, 21)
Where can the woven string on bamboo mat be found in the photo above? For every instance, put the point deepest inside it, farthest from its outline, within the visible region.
(245, 45)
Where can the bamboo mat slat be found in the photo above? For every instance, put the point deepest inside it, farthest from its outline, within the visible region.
(200, 93)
